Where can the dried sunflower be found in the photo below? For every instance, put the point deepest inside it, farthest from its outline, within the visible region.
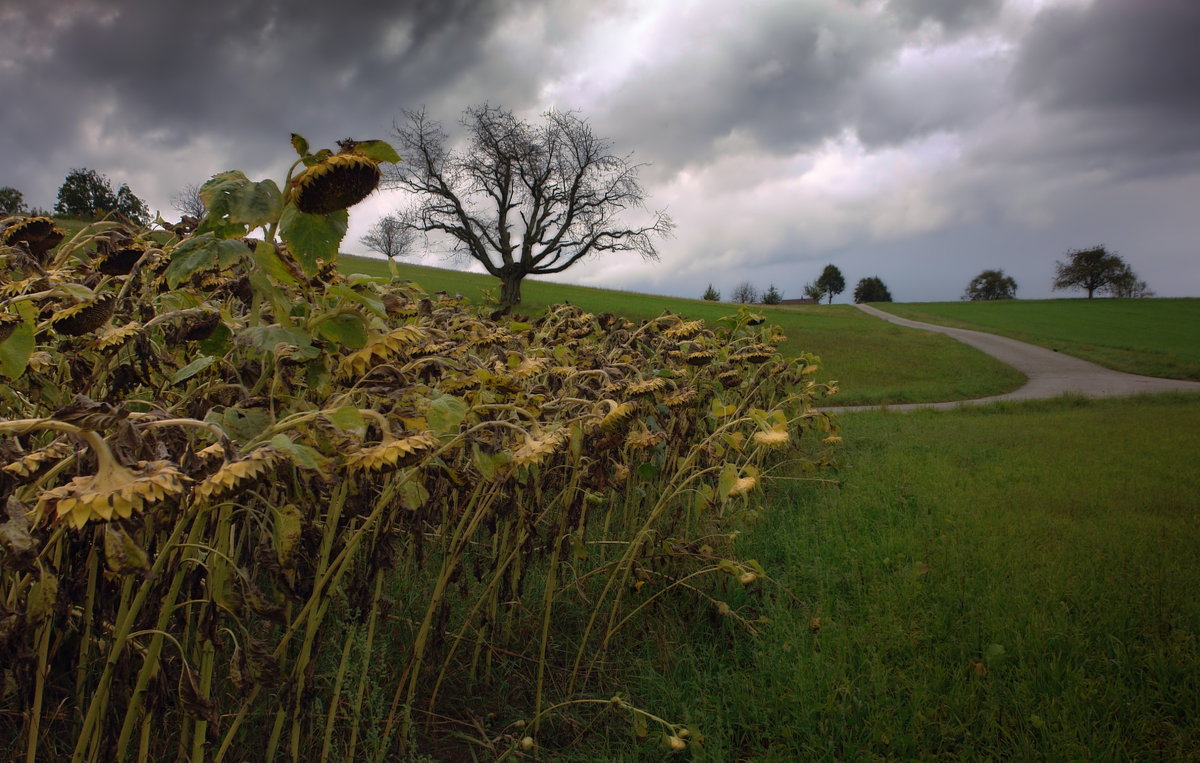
(699, 358)
(83, 317)
(641, 387)
(684, 330)
(31, 463)
(537, 449)
(685, 396)
(114, 490)
(379, 348)
(391, 452)
(111, 336)
(644, 439)
(775, 437)
(742, 486)
(335, 182)
(38, 233)
(618, 414)
(233, 473)
(121, 261)
(757, 353)
(729, 377)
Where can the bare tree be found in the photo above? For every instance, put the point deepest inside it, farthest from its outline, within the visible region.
(389, 236)
(188, 202)
(522, 199)
(745, 293)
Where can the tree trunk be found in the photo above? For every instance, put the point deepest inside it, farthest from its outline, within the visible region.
(510, 290)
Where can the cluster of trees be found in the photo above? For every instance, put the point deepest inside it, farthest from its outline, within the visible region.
(1095, 270)
(829, 284)
(85, 194)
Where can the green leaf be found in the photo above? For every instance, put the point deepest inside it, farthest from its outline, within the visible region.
(300, 144)
(15, 351)
(196, 253)
(413, 494)
(232, 199)
(286, 529)
(366, 299)
(445, 415)
(380, 151)
(240, 424)
(994, 653)
(313, 237)
(218, 342)
(266, 256)
(78, 291)
(301, 455)
(193, 368)
(725, 483)
(647, 470)
(346, 329)
(230, 251)
(266, 337)
(350, 419)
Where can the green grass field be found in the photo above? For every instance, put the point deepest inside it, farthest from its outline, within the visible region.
(1013, 582)
(1155, 337)
(873, 361)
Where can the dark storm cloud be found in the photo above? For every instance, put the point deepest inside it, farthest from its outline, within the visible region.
(168, 72)
(778, 76)
(1119, 82)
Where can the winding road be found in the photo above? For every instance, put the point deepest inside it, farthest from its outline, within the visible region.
(1050, 373)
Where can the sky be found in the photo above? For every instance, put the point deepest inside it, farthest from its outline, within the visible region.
(918, 141)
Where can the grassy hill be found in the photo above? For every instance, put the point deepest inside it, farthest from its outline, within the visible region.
(873, 361)
(1155, 337)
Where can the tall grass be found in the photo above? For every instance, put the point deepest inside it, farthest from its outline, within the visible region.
(1155, 337)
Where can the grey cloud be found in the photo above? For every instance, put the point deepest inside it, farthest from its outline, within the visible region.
(951, 15)
(1120, 81)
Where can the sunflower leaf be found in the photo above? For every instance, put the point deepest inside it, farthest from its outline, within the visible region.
(313, 237)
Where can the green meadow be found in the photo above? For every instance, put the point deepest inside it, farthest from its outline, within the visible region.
(1014, 581)
(873, 361)
(1154, 337)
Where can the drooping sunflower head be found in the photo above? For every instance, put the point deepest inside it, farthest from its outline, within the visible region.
(38, 233)
(234, 473)
(756, 353)
(84, 317)
(120, 261)
(392, 453)
(115, 491)
(335, 182)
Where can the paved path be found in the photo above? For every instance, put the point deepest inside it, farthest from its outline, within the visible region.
(1049, 373)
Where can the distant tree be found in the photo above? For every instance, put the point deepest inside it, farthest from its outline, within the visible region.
(745, 293)
(772, 296)
(991, 284)
(188, 202)
(131, 206)
(87, 194)
(1093, 269)
(871, 290)
(711, 294)
(390, 237)
(831, 282)
(523, 199)
(12, 201)
(1128, 286)
(812, 291)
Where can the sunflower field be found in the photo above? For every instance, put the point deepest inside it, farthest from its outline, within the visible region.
(252, 504)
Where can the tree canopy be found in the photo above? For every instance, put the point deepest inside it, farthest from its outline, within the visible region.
(991, 284)
(871, 289)
(831, 282)
(390, 237)
(772, 296)
(1098, 270)
(12, 201)
(711, 294)
(522, 199)
(87, 194)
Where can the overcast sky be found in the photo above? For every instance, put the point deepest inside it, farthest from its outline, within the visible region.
(920, 141)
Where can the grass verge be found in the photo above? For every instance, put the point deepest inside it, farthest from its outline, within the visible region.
(1154, 337)
(874, 362)
(1009, 582)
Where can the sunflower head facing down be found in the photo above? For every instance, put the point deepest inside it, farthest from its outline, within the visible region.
(335, 182)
